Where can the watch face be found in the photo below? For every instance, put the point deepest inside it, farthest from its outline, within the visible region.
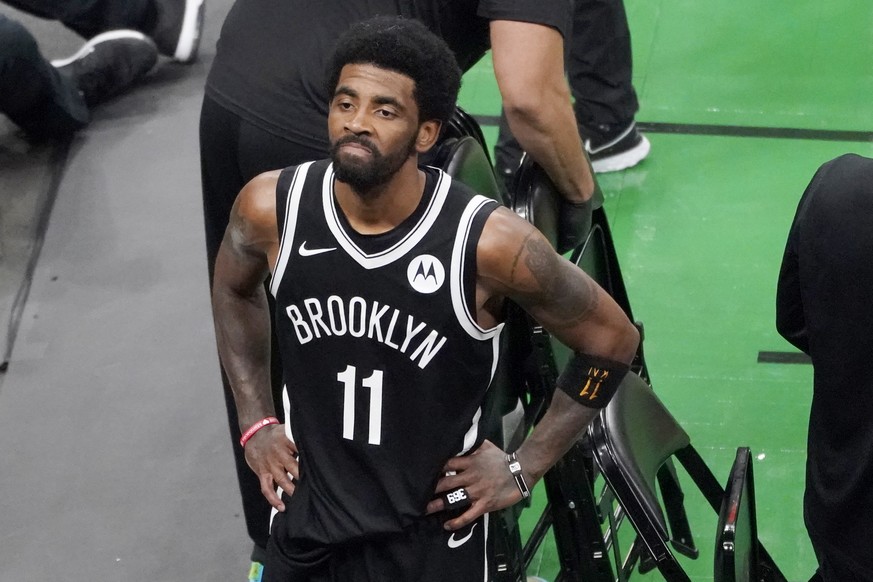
(515, 467)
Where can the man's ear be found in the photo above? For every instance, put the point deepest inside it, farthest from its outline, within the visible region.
(428, 132)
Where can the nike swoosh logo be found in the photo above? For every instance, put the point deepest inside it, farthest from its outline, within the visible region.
(304, 252)
(453, 543)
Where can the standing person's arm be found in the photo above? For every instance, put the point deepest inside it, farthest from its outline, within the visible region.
(529, 67)
(790, 319)
(790, 316)
(515, 261)
(242, 326)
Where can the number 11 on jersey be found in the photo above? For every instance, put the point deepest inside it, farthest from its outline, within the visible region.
(348, 378)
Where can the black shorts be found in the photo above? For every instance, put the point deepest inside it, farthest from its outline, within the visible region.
(423, 553)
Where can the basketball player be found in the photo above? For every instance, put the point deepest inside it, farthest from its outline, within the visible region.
(389, 281)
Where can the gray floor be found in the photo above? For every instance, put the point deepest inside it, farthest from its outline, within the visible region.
(114, 458)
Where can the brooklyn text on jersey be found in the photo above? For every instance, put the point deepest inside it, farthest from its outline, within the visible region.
(314, 318)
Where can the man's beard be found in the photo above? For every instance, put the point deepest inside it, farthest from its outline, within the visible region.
(365, 177)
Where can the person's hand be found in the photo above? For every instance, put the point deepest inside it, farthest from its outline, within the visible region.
(485, 477)
(273, 458)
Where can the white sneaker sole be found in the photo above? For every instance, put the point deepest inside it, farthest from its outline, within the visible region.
(624, 160)
(88, 47)
(189, 37)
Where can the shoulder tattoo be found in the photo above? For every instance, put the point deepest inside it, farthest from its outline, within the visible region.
(566, 293)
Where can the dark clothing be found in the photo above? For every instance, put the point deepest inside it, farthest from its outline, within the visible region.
(272, 55)
(266, 108)
(33, 94)
(37, 98)
(91, 17)
(424, 552)
(600, 65)
(385, 367)
(823, 307)
(233, 151)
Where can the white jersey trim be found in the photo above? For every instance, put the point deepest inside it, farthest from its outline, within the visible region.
(485, 518)
(466, 319)
(398, 250)
(286, 242)
(286, 406)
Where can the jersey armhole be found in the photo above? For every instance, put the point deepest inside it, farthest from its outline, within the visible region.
(470, 266)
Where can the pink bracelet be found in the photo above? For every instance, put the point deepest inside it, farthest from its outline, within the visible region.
(255, 428)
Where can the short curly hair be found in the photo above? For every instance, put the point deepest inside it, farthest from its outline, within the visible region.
(405, 46)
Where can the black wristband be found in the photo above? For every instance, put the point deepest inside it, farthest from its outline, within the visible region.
(590, 380)
(515, 469)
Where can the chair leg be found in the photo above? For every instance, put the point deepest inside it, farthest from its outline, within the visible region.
(674, 507)
(576, 521)
(508, 560)
(768, 571)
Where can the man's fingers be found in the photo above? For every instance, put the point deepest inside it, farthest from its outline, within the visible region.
(449, 482)
(465, 518)
(284, 481)
(435, 506)
(456, 464)
(269, 491)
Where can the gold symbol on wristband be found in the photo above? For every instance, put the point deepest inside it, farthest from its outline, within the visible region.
(596, 376)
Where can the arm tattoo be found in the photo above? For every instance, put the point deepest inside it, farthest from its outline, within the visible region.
(567, 296)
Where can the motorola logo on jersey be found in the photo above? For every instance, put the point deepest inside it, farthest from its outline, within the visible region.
(425, 273)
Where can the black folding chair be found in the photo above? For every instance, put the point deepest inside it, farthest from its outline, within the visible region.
(736, 542)
(525, 382)
(580, 517)
(632, 439)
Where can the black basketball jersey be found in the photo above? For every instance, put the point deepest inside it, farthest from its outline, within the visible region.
(385, 366)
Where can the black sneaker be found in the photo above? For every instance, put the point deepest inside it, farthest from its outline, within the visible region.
(614, 148)
(177, 28)
(109, 63)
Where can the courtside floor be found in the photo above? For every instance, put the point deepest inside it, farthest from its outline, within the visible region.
(742, 102)
(114, 458)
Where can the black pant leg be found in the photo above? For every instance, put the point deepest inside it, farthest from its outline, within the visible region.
(599, 68)
(232, 152)
(600, 64)
(32, 93)
(89, 17)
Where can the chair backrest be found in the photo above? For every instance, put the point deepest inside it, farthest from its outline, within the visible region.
(535, 198)
(464, 159)
(462, 124)
(636, 434)
(736, 542)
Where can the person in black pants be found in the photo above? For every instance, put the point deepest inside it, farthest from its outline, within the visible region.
(599, 70)
(50, 100)
(823, 307)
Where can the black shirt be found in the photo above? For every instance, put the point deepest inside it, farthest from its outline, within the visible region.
(824, 308)
(272, 54)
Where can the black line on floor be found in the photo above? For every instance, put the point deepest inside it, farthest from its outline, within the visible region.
(57, 163)
(734, 130)
(783, 358)
(751, 131)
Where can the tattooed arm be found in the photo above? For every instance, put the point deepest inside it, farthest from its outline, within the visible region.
(242, 329)
(515, 261)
